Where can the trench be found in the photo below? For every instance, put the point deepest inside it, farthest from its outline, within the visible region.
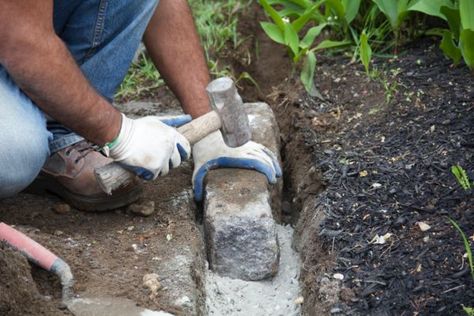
(287, 293)
(280, 295)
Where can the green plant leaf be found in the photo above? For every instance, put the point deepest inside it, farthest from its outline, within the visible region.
(337, 8)
(461, 176)
(274, 32)
(300, 22)
(468, 310)
(302, 3)
(466, 43)
(311, 35)
(291, 38)
(351, 8)
(450, 49)
(466, 9)
(330, 44)
(365, 51)
(246, 76)
(436, 32)
(277, 19)
(430, 7)
(467, 246)
(307, 74)
(394, 10)
(390, 9)
(454, 20)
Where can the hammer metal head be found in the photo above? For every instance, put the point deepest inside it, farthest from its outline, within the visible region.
(226, 101)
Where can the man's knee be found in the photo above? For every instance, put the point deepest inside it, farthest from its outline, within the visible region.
(22, 156)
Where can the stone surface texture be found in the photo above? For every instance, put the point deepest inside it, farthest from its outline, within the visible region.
(239, 222)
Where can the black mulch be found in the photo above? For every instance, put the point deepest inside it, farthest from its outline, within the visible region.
(387, 168)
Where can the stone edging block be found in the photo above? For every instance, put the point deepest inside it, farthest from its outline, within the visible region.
(238, 219)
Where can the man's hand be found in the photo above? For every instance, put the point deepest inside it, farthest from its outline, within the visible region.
(212, 152)
(150, 147)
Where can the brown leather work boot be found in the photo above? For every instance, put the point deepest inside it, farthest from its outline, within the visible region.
(69, 173)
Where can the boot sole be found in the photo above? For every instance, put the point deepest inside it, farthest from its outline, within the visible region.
(85, 203)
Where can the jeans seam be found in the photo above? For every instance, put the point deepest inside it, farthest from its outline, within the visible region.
(98, 29)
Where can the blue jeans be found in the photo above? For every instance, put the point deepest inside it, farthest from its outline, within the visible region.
(102, 36)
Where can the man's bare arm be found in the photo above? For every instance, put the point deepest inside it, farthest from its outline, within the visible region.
(39, 62)
(173, 44)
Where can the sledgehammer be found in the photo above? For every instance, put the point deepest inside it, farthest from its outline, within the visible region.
(227, 115)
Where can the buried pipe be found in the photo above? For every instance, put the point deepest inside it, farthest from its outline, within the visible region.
(40, 256)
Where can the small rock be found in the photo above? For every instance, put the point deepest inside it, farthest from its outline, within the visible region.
(152, 283)
(183, 301)
(338, 276)
(58, 233)
(335, 310)
(299, 300)
(61, 208)
(144, 208)
(363, 173)
(423, 226)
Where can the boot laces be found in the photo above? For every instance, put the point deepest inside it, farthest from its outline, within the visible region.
(83, 148)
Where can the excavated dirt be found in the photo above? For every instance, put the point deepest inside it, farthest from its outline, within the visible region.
(19, 294)
(110, 252)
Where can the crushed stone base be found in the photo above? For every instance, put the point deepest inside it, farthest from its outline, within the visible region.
(273, 297)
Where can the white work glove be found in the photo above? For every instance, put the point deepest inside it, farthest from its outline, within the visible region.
(211, 153)
(148, 146)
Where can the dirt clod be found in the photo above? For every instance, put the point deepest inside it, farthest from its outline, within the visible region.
(151, 281)
(61, 208)
(143, 208)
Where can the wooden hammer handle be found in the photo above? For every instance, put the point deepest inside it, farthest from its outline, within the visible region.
(199, 128)
(112, 176)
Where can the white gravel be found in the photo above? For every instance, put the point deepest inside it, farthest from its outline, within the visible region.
(274, 297)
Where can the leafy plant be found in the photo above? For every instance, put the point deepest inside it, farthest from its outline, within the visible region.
(286, 28)
(461, 177)
(458, 41)
(369, 27)
(365, 51)
(467, 246)
(396, 12)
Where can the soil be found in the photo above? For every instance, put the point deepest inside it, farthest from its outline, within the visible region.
(371, 157)
(19, 294)
(109, 253)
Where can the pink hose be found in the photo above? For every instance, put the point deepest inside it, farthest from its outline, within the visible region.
(39, 255)
(34, 251)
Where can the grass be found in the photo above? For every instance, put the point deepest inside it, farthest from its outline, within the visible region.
(216, 22)
(142, 78)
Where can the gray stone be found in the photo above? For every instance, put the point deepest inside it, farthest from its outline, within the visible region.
(238, 220)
